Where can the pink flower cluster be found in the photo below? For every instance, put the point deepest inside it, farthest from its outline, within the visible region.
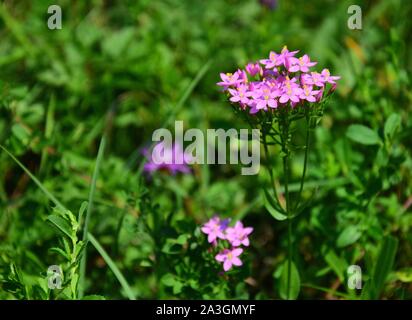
(279, 80)
(231, 238)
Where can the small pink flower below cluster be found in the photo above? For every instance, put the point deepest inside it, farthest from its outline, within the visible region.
(220, 234)
(280, 80)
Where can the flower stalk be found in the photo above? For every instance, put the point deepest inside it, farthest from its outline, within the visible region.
(273, 95)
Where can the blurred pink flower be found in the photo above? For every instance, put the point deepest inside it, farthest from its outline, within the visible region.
(238, 235)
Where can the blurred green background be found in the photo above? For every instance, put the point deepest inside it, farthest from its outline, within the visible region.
(124, 67)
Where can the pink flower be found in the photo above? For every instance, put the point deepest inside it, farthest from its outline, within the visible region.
(238, 235)
(254, 69)
(285, 56)
(171, 159)
(328, 78)
(315, 78)
(302, 64)
(229, 257)
(230, 80)
(265, 97)
(309, 94)
(272, 62)
(214, 228)
(277, 86)
(241, 94)
(291, 91)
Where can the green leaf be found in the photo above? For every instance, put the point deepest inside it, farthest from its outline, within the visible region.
(82, 209)
(363, 135)
(337, 264)
(92, 191)
(61, 252)
(383, 266)
(348, 236)
(61, 225)
(272, 207)
(294, 282)
(168, 280)
(392, 124)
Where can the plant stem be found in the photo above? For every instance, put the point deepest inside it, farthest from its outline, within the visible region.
(285, 149)
(270, 169)
(305, 162)
(286, 171)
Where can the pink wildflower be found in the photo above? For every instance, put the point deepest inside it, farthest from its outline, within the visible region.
(238, 235)
(229, 257)
(214, 229)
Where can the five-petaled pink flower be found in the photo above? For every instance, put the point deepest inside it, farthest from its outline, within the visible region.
(291, 91)
(241, 94)
(265, 97)
(230, 257)
(230, 80)
(309, 94)
(300, 64)
(214, 229)
(328, 78)
(238, 235)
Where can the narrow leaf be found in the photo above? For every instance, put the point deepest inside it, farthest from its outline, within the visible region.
(61, 225)
(383, 266)
(272, 207)
(294, 282)
(391, 125)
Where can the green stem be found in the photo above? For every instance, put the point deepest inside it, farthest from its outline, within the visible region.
(286, 171)
(270, 169)
(285, 149)
(305, 162)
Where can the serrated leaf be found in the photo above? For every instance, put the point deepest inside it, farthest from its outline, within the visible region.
(363, 135)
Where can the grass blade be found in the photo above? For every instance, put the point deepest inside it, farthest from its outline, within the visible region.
(88, 212)
(49, 195)
(112, 266)
(383, 266)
